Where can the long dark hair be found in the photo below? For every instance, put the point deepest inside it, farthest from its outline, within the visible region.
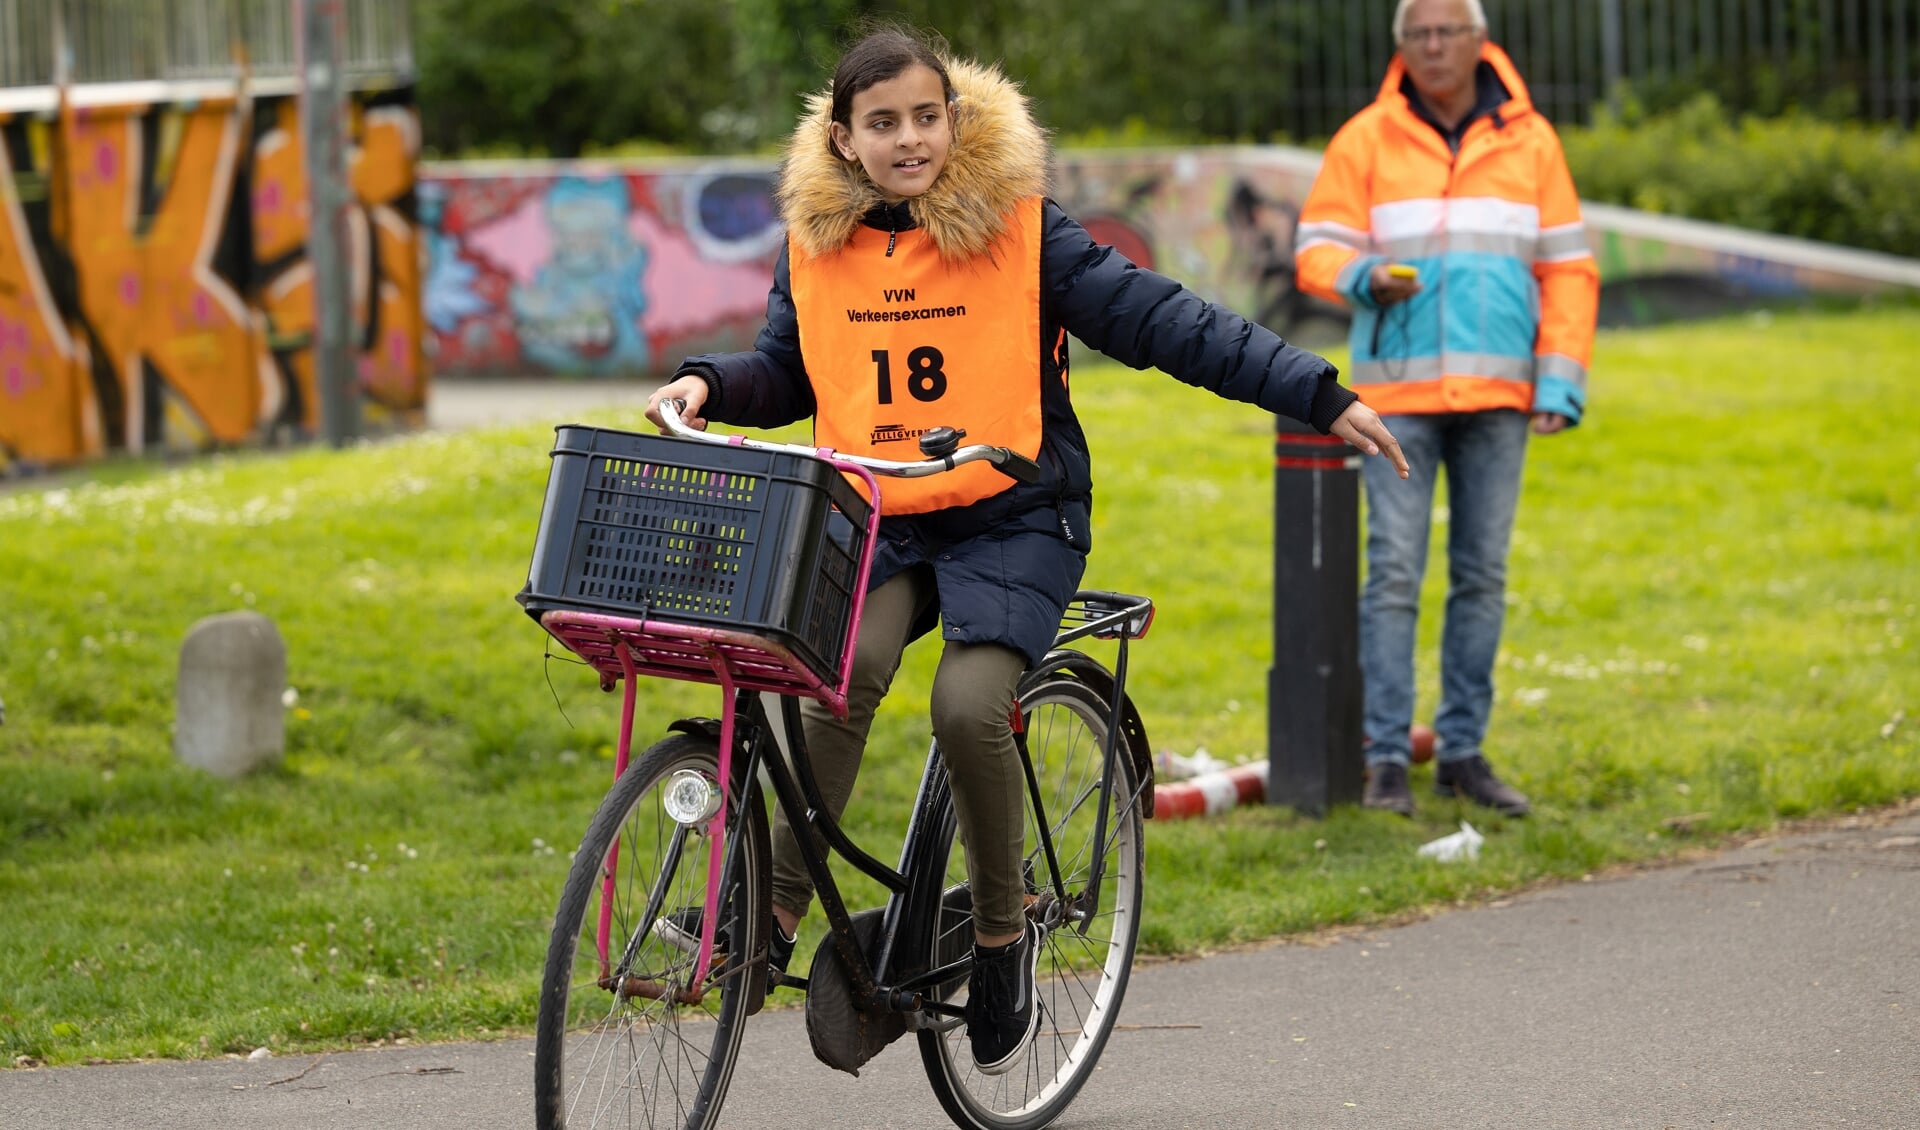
(883, 53)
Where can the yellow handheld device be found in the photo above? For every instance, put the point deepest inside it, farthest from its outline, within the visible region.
(1403, 271)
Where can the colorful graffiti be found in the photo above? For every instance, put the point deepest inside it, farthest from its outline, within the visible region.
(43, 407)
(1222, 222)
(154, 293)
(384, 251)
(144, 213)
(593, 271)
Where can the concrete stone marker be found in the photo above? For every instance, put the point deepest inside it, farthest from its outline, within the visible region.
(228, 715)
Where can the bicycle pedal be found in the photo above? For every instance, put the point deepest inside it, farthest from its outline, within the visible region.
(933, 1022)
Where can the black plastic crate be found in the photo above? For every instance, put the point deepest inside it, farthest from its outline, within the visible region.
(671, 529)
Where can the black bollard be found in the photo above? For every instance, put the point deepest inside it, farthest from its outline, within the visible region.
(1313, 689)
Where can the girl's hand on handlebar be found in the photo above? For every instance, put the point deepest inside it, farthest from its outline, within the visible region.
(691, 388)
(1362, 427)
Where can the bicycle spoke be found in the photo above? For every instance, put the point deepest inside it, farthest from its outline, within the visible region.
(1089, 947)
(656, 898)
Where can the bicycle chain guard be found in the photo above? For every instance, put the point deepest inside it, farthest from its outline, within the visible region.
(845, 1037)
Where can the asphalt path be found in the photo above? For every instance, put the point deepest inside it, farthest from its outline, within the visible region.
(1775, 984)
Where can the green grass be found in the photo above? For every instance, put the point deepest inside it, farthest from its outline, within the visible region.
(1712, 625)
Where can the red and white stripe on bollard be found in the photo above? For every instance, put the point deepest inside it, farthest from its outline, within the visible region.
(1211, 793)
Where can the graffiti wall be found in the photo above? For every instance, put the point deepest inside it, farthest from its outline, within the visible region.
(1219, 220)
(144, 211)
(589, 270)
(595, 270)
(385, 251)
(1222, 221)
(44, 403)
(154, 293)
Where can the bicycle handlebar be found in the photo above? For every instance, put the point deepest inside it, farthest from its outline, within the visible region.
(1008, 462)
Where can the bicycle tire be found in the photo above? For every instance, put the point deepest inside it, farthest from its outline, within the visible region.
(1082, 976)
(606, 1058)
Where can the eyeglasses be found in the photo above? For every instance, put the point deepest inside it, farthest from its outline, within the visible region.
(1445, 33)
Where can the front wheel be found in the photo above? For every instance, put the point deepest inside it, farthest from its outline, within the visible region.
(1088, 952)
(624, 1039)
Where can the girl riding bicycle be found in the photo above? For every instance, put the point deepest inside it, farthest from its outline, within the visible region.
(927, 281)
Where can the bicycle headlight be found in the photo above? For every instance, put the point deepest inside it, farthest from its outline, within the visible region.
(691, 799)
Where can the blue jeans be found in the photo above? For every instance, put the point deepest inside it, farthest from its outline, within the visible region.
(1482, 453)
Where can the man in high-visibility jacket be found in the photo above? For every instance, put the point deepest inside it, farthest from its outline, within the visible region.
(1445, 217)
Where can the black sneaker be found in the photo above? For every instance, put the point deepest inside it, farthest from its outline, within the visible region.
(681, 930)
(1001, 1017)
(1472, 778)
(1387, 788)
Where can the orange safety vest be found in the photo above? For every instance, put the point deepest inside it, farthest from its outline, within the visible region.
(896, 344)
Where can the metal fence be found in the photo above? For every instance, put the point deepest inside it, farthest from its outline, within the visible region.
(26, 43)
(1854, 58)
(178, 40)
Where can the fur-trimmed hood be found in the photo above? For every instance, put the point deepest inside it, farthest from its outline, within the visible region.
(999, 157)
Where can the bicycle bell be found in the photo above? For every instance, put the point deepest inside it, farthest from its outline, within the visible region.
(938, 443)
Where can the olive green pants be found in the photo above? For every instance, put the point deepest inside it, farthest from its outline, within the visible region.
(973, 693)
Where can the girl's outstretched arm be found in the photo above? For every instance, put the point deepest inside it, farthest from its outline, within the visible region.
(1144, 319)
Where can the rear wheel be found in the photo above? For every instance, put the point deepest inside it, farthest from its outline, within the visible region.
(1088, 952)
(627, 1039)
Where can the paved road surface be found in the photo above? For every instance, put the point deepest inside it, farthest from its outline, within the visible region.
(1776, 985)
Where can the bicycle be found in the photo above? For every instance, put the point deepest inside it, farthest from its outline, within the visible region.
(634, 1030)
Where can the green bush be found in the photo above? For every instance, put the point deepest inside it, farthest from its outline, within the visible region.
(1795, 175)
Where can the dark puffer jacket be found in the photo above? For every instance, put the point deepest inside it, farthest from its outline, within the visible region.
(1007, 565)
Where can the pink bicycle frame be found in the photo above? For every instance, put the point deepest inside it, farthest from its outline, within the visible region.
(622, 647)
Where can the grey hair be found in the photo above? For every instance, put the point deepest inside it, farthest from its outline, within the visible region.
(1476, 15)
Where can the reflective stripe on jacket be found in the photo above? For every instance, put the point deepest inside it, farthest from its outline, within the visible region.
(1505, 315)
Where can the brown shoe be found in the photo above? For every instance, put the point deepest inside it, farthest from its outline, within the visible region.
(1387, 788)
(1473, 778)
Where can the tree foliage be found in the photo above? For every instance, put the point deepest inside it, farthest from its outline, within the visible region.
(1838, 182)
(566, 76)
(569, 76)
(560, 76)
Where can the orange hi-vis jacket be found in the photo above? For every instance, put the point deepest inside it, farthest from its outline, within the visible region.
(901, 343)
(1505, 315)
